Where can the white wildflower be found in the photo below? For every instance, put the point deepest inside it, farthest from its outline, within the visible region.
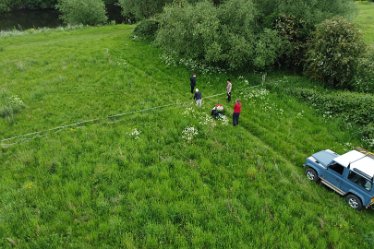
(189, 133)
(135, 133)
(207, 120)
(223, 119)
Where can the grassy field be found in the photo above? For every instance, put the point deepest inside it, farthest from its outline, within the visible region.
(139, 181)
(365, 20)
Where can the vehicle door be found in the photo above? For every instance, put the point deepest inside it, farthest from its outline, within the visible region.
(334, 175)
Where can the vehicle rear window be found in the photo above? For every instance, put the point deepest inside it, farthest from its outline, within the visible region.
(360, 180)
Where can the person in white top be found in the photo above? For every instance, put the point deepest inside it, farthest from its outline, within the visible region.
(228, 90)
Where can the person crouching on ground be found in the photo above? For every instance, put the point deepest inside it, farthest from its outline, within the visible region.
(237, 110)
(198, 97)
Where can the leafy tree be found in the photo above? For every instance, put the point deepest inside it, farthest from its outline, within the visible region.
(311, 12)
(195, 41)
(141, 9)
(146, 29)
(295, 21)
(294, 36)
(89, 12)
(333, 52)
(236, 34)
(222, 36)
(8, 5)
(267, 49)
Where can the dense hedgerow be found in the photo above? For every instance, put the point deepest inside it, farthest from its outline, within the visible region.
(88, 12)
(242, 35)
(333, 53)
(223, 36)
(364, 78)
(146, 29)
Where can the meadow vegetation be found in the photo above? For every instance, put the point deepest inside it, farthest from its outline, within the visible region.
(166, 178)
(365, 21)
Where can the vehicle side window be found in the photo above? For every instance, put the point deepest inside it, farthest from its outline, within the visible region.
(337, 168)
(359, 180)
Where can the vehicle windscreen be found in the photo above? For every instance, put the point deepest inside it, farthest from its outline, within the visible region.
(324, 157)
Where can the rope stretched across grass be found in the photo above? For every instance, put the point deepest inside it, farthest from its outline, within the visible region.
(32, 135)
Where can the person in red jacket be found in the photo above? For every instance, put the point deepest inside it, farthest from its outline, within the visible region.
(237, 110)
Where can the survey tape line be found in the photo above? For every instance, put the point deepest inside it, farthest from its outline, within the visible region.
(94, 120)
(61, 127)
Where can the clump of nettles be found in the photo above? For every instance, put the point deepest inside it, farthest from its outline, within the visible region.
(9, 104)
(189, 133)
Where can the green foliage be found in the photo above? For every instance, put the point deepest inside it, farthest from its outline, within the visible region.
(244, 34)
(306, 11)
(236, 35)
(146, 29)
(333, 53)
(9, 105)
(7, 5)
(196, 41)
(294, 34)
(142, 9)
(88, 12)
(221, 36)
(267, 49)
(364, 77)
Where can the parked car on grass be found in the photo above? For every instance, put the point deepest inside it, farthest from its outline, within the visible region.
(351, 175)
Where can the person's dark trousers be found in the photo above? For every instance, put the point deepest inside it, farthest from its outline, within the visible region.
(235, 119)
(192, 88)
(229, 97)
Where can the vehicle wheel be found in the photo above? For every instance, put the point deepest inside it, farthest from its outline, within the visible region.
(354, 202)
(312, 175)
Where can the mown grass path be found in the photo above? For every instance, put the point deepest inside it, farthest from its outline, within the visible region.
(365, 21)
(103, 186)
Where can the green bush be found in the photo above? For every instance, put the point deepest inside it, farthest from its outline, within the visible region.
(364, 78)
(199, 40)
(267, 48)
(223, 36)
(333, 53)
(142, 9)
(146, 29)
(294, 33)
(88, 12)
(9, 104)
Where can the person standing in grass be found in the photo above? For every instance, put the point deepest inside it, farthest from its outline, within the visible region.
(193, 82)
(237, 110)
(198, 97)
(228, 90)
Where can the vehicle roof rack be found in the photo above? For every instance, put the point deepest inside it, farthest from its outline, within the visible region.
(366, 152)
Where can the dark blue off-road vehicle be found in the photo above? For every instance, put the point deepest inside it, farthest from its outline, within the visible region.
(350, 174)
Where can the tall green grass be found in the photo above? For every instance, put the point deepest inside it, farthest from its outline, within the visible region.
(103, 185)
(365, 21)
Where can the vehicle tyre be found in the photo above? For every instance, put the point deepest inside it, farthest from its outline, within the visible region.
(354, 202)
(312, 175)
